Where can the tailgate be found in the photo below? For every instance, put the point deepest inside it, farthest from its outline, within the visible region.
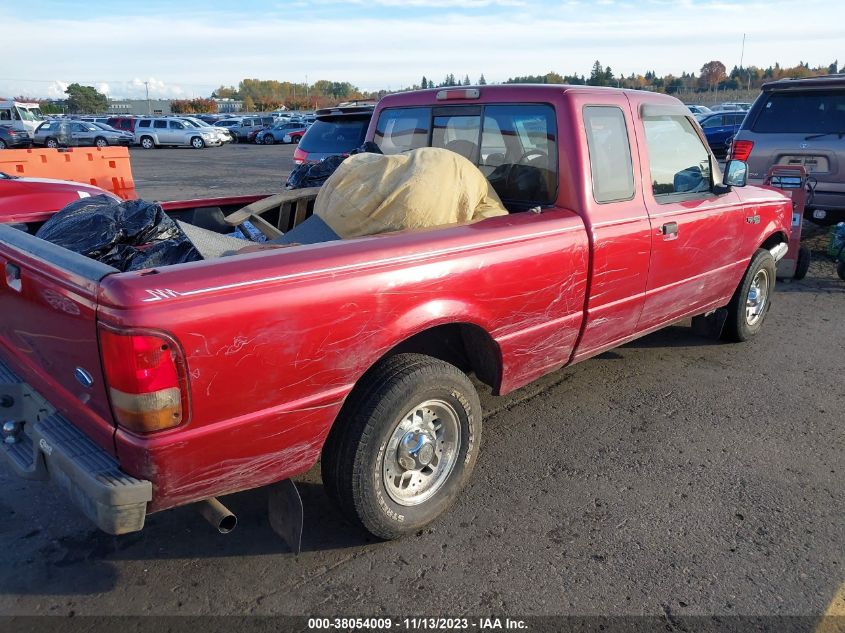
(48, 328)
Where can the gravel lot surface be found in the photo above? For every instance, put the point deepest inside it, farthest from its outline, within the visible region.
(674, 476)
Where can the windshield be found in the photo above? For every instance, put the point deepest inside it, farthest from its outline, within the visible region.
(191, 122)
(29, 114)
(816, 112)
(335, 135)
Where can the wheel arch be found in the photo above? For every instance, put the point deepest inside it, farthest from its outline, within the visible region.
(774, 239)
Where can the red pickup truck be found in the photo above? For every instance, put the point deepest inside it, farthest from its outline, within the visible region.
(142, 391)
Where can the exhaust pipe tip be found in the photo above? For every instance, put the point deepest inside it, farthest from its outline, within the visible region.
(219, 516)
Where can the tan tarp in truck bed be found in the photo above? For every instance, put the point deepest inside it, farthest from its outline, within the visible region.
(426, 187)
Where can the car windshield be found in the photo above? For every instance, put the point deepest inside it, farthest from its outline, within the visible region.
(29, 114)
(816, 112)
(191, 123)
(337, 135)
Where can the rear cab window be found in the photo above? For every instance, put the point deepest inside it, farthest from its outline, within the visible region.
(514, 145)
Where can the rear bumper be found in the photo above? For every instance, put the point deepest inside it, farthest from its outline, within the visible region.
(48, 446)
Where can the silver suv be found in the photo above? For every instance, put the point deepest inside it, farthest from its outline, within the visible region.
(800, 122)
(155, 132)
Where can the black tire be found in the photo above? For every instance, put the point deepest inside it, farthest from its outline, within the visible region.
(2, 144)
(235, 140)
(739, 326)
(100, 142)
(197, 142)
(51, 143)
(295, 139)
(147, 142)
(840, 270)
(802, 264)
(268, 139)
(359, 447)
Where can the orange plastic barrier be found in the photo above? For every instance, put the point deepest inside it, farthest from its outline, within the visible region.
(107, 167)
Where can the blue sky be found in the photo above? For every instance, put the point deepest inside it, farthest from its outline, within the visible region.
(188, 48)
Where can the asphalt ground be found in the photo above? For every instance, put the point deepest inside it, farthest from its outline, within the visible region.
(673, 477)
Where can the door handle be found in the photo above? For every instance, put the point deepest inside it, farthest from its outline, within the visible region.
(670, 228)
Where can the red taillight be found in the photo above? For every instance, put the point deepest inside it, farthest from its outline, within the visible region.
(145, 375)
(299, 156)
(741, 150)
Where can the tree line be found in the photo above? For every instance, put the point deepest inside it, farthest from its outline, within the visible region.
(263, 95)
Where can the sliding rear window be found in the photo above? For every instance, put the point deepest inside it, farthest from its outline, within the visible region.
(514, 145)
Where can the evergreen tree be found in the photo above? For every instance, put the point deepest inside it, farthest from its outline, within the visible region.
(597, 76)
(424, 83)
(467, 82)
(482, 81)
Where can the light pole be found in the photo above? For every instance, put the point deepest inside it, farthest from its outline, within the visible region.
(149, 106)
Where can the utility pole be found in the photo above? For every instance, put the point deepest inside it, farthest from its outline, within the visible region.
(149, 106)
(306, 92)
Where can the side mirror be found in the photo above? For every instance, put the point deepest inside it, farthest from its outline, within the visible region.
(736, 175)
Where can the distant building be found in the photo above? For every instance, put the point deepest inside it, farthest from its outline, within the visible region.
(139, 106)
(225, 106)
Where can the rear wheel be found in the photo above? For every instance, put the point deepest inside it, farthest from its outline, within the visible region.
(101, 142)
(404, 446)
(147, 142)
(51, 143)
(295, 139)
(2, 144)
(840, 270)
(752, 299)
(268, 139)
(197, 142)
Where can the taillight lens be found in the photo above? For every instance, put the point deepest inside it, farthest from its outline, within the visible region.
(741, 150)
(146, 379)
(299, 156)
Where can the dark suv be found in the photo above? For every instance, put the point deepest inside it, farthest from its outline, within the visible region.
(336, 131)
(800, 122)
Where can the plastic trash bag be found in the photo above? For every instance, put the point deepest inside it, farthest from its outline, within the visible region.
(128, 235)
(315, 174)
(836, 247)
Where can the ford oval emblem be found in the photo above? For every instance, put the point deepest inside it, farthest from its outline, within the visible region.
(804, 146)
(83, 377)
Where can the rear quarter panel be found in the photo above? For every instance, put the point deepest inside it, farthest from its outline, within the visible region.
(275, 341)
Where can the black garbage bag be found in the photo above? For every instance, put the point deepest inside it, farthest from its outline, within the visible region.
(87, 226)
(128, 235)
(315, 174)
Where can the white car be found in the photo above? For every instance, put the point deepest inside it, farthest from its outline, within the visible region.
(157, 132)
(223, 133)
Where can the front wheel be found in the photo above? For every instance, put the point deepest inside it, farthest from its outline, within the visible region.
(752, 299)
(197, 143)
(840, 270)
(101, 142)
(52, 143)
(2, 144)
(268, 139)
(404, 446)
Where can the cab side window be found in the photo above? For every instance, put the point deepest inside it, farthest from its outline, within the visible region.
(610, 153)
(160, 124)
(5, 115)
(678, 160)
